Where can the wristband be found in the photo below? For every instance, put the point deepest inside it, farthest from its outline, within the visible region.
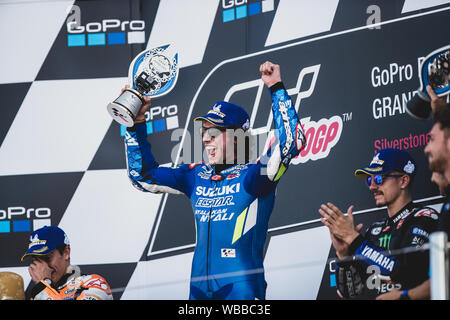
(404, 295)
(277, 86)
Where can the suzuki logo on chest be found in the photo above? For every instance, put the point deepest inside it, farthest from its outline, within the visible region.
(212, 192)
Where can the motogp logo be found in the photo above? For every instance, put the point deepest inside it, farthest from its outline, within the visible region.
(321, 136)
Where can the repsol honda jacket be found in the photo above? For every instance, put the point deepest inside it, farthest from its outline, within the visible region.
(231, 207)
(73, 286)
(377, 265)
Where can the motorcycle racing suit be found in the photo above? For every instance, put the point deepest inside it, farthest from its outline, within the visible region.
(231, 207)
(444, 221)
(444, 217)
(73, 286)
(376, 263)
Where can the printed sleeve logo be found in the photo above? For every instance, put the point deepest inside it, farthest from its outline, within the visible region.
(427, 213)
(34, 241)
(409, 168)
(228, 253)
(376, 160)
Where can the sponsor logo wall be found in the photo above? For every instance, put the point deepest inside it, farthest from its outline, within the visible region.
(348, 66)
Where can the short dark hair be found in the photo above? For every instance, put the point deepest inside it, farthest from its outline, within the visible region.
(411, 182)
(442, 116)
(411, 178)
(61, 248)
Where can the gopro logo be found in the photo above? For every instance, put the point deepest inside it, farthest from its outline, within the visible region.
(21, 219)
(159, 119)
(108, 31)
(239, 9)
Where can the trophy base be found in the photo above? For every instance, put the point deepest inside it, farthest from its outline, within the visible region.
(418, 107)
(126, 107)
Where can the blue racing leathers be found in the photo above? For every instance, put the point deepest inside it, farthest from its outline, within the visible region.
(232, 207)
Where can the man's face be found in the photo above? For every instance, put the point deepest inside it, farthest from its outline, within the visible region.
(387, 192)
(437, 151)
(57, 263)
(440, 181)
(214, 141)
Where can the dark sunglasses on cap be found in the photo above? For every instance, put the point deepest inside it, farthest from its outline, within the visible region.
(379, 178)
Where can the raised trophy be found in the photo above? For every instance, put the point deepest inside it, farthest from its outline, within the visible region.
(434, 71)
(153, 73)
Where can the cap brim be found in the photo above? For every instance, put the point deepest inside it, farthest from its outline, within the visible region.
(37, 252)
(26, 255)
(363, 172)
(210, 120)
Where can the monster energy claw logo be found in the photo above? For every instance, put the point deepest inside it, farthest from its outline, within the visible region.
(385, 241)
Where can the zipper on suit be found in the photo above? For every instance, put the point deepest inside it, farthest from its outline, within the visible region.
(208, 240)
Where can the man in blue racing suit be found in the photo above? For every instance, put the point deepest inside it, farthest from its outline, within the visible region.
(232, 202)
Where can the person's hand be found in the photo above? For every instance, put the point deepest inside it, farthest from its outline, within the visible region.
(394, 294)
(436, 102)
(340, 246)
(341, 226)
(39, 270)
(270, 73)
(140, 118)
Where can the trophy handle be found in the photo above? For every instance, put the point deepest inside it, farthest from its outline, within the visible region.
(419, 106)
